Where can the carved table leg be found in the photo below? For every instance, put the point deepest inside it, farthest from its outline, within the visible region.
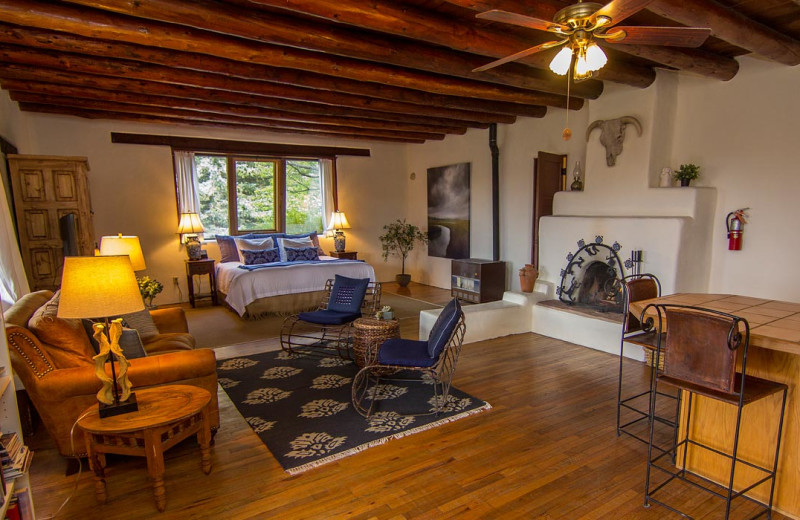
(155, 466)
(96, 464)
(204, 439)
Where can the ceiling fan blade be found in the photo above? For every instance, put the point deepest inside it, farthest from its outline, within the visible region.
(618, 10)
(521, 54)
(497, 15)
(668, 36)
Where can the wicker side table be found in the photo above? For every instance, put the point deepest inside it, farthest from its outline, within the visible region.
(369, 333)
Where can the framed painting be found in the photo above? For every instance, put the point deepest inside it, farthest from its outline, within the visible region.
(449, 211)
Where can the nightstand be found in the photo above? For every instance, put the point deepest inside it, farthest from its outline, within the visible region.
(347, 255)
(201, 267)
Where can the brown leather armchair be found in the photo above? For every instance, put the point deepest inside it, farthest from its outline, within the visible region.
(58, 372)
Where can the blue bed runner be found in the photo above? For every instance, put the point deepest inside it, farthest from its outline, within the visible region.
(285, 264)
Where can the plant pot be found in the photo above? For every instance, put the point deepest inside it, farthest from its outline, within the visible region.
(403, 279)
(527, 277)
(685, 182)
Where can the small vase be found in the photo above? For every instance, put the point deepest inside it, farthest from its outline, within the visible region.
(527, 277)
(685, 182)
(403, 279)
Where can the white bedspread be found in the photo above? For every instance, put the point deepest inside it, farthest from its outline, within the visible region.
(243, 287)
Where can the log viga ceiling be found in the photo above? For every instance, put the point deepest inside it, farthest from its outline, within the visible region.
(388, 70)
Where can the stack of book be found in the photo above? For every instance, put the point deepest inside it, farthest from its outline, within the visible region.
(15, 456)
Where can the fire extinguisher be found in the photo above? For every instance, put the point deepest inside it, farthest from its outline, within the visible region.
(734, 222)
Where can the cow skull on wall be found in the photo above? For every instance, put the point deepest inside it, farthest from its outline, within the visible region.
(612, 133)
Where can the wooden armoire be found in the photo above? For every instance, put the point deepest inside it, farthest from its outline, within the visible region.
(46, 190)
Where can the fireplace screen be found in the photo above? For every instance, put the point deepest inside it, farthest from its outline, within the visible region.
(592, 277)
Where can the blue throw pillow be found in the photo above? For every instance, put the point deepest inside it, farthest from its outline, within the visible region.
(443, 328)
(129, 342)
(227, 248)
(261, 256)
(297, 254)
(347, 294)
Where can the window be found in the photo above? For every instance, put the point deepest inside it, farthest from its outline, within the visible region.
(240, 194)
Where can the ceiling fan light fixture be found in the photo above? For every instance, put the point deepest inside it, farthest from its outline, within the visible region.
(561, 62)
(595, 57)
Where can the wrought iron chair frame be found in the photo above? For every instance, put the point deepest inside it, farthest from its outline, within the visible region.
(639, 334)
(315, 338)
(735, 341)
(441, 373)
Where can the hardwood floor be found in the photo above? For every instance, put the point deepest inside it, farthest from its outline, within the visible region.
(547, 450)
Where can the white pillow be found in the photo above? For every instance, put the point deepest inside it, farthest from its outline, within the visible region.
(293, 242)
(253, 244)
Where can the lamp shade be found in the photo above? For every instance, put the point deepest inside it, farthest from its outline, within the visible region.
(190, 223)
(561, 61)
(124, 245)
(338, 221)
(98, 287)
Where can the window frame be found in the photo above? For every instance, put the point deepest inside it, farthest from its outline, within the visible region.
(279, 187)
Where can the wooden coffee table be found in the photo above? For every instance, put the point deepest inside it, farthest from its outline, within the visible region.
(166, 416)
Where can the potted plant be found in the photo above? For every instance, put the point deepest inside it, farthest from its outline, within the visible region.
(686, 173)
(399, 239)
(149, 289)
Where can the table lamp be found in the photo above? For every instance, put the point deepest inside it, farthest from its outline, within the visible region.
(338, 223)
(190, 225)
(100, 287)
(124, 245)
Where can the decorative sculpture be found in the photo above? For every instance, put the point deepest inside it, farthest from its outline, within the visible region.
(111, 349)
(612, 133)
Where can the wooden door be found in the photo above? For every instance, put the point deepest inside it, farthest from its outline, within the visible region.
(46, 188)
(548, 177)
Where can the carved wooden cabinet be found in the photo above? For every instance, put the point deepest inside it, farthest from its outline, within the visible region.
(478, 281)
(45, 189)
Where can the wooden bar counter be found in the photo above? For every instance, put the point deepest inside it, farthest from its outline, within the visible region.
(774, 354)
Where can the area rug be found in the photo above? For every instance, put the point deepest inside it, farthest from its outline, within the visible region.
(300, 407)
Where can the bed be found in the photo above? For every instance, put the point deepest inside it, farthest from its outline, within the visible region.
(285, 288)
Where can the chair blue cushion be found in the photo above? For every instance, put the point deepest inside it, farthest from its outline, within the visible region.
(329, 317)
(405, 353)
(347, 294)
(443, 328)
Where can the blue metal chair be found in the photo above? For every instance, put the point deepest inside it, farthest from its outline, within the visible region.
(434, 359)
(329, 327)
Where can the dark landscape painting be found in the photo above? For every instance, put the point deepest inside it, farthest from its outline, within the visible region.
(448, 211)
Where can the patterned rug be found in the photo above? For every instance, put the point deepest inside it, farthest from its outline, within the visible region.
(300, 407)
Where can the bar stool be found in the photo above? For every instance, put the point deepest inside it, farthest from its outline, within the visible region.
(639, 287)
(703, 347)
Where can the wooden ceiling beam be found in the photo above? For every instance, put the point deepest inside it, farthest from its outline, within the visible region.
(21, 75)
(135, 70)
(333, 39)
(732, 27)
(149, 99)
(192, 115)
(404, 20)
(97, 24)
(694, 60)
(53, 40)
(122, 116)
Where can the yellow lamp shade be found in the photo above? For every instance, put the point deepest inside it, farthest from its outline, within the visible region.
(98, 287)
(338, 221)
(190, 224)
(124, 245)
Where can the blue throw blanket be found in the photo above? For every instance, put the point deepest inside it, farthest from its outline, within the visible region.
(284, 264)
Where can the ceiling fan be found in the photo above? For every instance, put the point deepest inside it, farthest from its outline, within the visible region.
(579, 27)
